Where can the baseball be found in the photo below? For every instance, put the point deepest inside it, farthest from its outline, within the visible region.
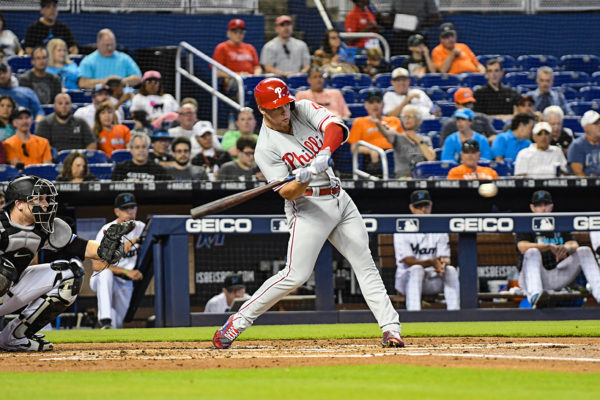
(488, 190)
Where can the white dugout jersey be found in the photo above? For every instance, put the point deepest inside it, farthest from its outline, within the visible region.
(420, 246)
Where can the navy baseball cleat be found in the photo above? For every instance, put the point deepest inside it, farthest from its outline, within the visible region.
(392, 339)
(226, 335)
(540, 300)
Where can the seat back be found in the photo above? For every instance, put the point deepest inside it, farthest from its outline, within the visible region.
(355, 80)
(534, 61)
(587, 63)
(46, 171)
(428, 169)
(8, 172)
(120, 155)
(297, 80)
(383, 80)
(357, 110)
(397, 61)
(444, 81)
(101, 171)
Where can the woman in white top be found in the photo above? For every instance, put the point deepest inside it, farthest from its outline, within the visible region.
(152, 97)
(60, 64)
(9, 41)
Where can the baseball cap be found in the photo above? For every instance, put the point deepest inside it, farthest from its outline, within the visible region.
(283, 19)
(447, 28)
(236, 24)
(542, 126)
(415, 40)
(464, 95)
(590, 117)
(233, 282)
(160, 135)
(374, 94)
(524, 98)
(202, 128)
(464, 113)
(470, 146)
(420, 197)
(400, 73)
(125, 200)
(541, 196)
(4, 68)
(17, 113)
(100, 87)
(151, 75)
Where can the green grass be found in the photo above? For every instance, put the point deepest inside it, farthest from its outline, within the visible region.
(339, 331)
(315, 383)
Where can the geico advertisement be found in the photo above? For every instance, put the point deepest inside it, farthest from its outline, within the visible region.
(586, 223)
(215, 225)
(481, 224)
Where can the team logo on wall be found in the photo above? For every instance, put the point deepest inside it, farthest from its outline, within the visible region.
(542, 223)
(407, 225)
(279, 225)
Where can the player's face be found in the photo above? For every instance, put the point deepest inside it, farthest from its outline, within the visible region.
(6, 108)
(246, 123)
(126, 214)
(541, 207)
(401, 85)
(181, 153)
(423, 208)
(277, 118)
(545, 82)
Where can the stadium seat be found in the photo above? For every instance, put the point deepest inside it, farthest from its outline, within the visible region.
(572, 123)
(101, 171)
(360, 60)
(80, 96)
(357, 110)
(534, 61)
(571, 78)
(596, 78)
(251, 81)
(382, 81)
(120, 155)
(93, 156)
(515, 79)
(46, 171)
(580, 107)
(76, 58)
(471, 80)
(447, 108)
(589, 93)
(580, 62)
(8, 172)
(397, 61)
(297, 80)
(429, 125)
(428, 169)
(443, 81)
(436, 94)
(362, 94)
(500, 167)
(48, 109)
(569, 93)
(435, 139)
(498, 124)
(355, 80)
(508, 62)
(389, 154)
(350, 95)
(19, 64)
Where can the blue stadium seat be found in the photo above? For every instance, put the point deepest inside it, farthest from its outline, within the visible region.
(571, 78)
(429, 125)
(438, 154)
(251, 81)
(436, 94)
(120, 155)
(534, 61)
(362, 94)
(350, 95)
(572, 123)
(80, 96)
(76, 58)
(19, 63)
(342, 158)
(596, 78)
(498, 124)
(508, 62)
(471, 80)
(8, 172)
(101, 171)
(93, 156)
(580, 62)
(569, 93)
(389, 154)
(515, 79)
(382, 80)
(443, 81)
(357, 110)
(500, 167)
(355, 80)
(48, 109)
(360, 60)
(447, 107)
(427, 169)
(46, 171)
(397, 61)
(589, 93)
(297, 80)
(435, 139)
(580, 107)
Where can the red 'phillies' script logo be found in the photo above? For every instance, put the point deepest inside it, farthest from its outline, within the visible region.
(312, 145)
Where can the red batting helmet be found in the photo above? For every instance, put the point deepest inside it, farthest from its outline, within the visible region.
(272, 93)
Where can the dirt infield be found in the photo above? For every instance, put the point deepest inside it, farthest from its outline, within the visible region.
(554, 354)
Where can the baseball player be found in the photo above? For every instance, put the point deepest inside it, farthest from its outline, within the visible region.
(233, 288)
(299, 138)
(27, 225)
(114, 285)
(552, 260)
(423, 261)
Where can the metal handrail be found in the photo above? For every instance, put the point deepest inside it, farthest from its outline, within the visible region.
(211, 89)
(386, 46)
(382, 156)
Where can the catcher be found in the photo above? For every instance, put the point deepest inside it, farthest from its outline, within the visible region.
(27, 225)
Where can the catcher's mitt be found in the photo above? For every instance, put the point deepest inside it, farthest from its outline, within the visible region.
(111, 246)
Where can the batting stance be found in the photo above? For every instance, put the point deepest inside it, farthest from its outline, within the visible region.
(423, 261)
(299, 137)
(27, 225)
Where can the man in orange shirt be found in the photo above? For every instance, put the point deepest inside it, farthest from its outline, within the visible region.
(469, 169)
(451, 57)
(23, 147)
(372, 129)
(331, 99)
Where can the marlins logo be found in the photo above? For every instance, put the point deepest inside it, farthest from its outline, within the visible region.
(543, 224)
(407, 225)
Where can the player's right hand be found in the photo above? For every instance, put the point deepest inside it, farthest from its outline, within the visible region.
(303, 175)
(321, 161)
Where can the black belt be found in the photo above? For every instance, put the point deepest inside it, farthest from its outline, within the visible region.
(322, 191)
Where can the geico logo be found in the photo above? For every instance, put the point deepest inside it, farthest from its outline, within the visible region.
(481, 225)
(586, 223)
(370, 224)
(212, 225)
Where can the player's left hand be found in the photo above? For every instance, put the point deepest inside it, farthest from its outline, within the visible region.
(111, 247)
(321, 161)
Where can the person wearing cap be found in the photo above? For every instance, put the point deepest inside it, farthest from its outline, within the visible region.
(113, 284)
(375, 64)
(550, 260)
(139, 168)
(100, 94)
(545, 96)
(161, 141)
(452, 145)
(45, 85)
(403, 94)
(507, 145)
(152, 97)
(181, 168)
(584, 153)
(63, 130)
(469, 168)
(285, 55)
(23, 96)
(23, 148)
(233, 288)
(423, 261)
(452, 57)
(561, 135)
(541, 160)
(464, 99)
(190, 127)
(362, 18)
(331, 99)
(495, 99)
(245, 124)
(208, 156)
(243, 168)
(48, 27)
(107, 63)
(110, 135)
(235, 54)
(419, 61)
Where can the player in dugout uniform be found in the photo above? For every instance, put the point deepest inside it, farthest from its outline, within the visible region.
(299, 138)
(27, 225)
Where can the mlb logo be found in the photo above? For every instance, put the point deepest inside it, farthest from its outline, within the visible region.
(279, 225)
(542, 224)
(407, 225)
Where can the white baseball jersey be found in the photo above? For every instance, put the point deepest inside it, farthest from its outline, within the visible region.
(218, 303)
(419, 246)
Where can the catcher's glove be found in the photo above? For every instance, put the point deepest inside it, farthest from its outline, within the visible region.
(111, 246)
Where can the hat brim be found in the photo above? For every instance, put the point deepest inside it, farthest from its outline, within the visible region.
(126, 205)
(420, 202)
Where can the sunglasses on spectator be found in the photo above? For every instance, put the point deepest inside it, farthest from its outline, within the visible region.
(286, 50)
(25, 153)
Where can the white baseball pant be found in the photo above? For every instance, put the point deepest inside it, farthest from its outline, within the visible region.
(114, 296)
(417, 281)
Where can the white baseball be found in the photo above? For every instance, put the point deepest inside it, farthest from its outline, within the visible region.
(488, 189)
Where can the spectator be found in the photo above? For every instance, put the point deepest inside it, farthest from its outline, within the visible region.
(541, 160)
(7, 107)
(47, 28)
(452, 144)
(99, 96)
(362, 19)
(469, 169)
(544, 96)
(75, 169)
(331, 99)
(584, 153)
(119, 94)
(152, 97)
(139, 168)
(334, 57)
(403, 95)
(2, 199)
(375, 63)
(182, 168)
(233, 288)
(23, 148)
(9, 42)
(45, 85)
(373, 129)
(208, 157)
(190, 127)
(451, 57)
(23, 96)
(495, 99)
(244, 168)
(161, 141)
(508, 144)
(561, 136)
(410, 148)
(61, 65)
(524, 106)
(426, 13)
(285, 55)
(464, 99)
(419, 63)
(245, 124)
(63, 130)
(111, 135)
(141, 124)
(107, 63)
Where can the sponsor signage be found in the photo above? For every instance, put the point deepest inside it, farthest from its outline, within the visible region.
(475, 224)
(217, 225)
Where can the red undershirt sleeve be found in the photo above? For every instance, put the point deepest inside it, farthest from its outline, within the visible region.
(333, 137)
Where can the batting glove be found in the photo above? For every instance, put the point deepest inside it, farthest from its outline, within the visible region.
(321, 161)
(303, 175)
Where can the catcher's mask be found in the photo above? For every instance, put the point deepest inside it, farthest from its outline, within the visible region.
(40, 195)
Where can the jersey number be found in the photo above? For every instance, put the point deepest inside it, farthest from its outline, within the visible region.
(316, 106)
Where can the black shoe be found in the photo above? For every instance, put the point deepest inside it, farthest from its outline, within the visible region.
(105, 323)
